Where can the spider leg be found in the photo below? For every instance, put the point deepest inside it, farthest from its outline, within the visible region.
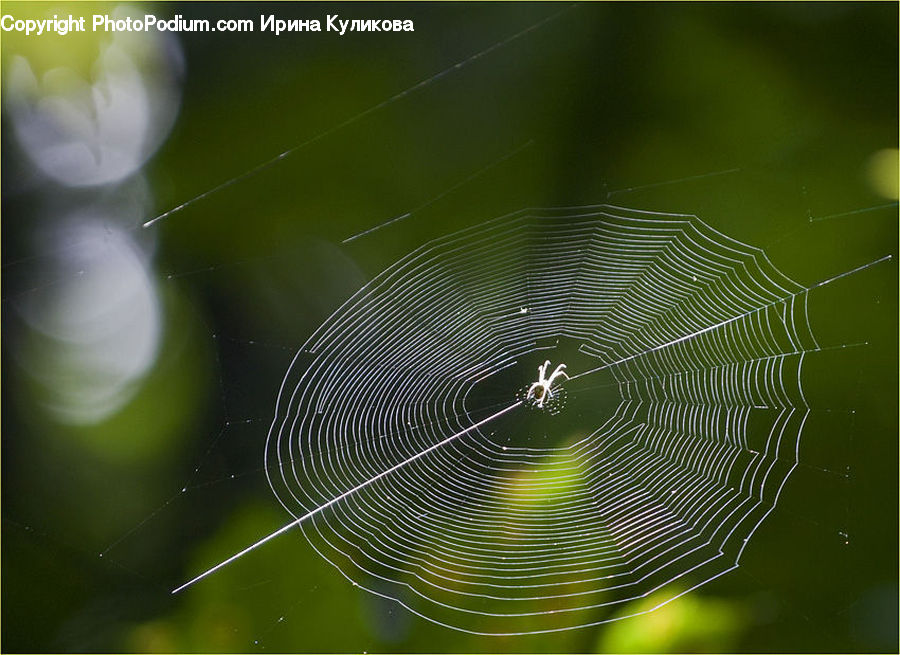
(559, 372)
(542, 371)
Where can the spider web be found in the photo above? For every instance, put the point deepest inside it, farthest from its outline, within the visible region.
(686, 411)
(689, 409)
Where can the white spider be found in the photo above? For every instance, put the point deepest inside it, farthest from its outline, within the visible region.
(542, 389)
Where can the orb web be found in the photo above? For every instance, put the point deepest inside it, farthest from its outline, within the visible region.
(682, 419)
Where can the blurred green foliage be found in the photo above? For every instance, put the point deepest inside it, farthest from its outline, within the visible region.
(688, 624)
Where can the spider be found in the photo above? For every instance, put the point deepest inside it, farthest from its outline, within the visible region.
(542, 389)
